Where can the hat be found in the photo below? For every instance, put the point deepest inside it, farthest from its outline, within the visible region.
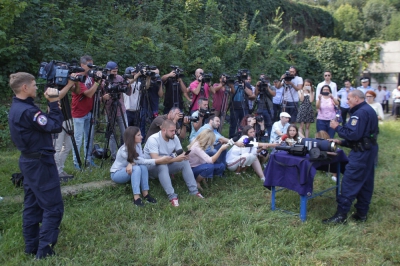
(129, 70)
(111, 65)
(364, 80)
(284, 114)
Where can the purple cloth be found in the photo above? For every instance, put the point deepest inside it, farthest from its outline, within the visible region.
(297, 173)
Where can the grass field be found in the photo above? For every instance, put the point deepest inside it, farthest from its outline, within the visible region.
(232, 226)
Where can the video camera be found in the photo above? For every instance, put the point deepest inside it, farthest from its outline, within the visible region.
(206, 77)
(146, 70)
(94, 69)
(288, 76)
(317, 148)
(228, 79)
(58, 72)
(178, 71)
(242, 74)
(156, 79)
(206, 113)
(264, 84)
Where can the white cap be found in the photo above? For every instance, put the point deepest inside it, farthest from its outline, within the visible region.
(284, 114)
(364, 80)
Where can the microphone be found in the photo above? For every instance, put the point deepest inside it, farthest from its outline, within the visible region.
(248, 142)
(176, 153)
(284, 137)
(337, 117)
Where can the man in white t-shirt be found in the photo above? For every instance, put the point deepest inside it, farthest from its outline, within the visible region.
(166, 143)
(131, 102)
(327, 81)
(279, 127)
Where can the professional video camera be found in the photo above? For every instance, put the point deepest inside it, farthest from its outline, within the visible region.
(264, 83)
(178, 71)
(146, 70)
(58, 72)
(116, 87)
(318, 149)
(242, 74)
(156, 79)
(206, 113)
(190, 118)
(288, 76)
(206, 77)
(94, 69)
(228, 79)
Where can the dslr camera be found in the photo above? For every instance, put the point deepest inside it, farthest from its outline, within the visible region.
(206, 113)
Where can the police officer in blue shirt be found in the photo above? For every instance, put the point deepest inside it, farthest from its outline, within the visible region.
(359, 134)
(31, 131)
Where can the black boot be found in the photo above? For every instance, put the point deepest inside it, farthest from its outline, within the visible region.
(358, 217)
(338, 218)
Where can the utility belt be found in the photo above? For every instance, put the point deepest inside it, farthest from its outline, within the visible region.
(363, 145)
(37, 155)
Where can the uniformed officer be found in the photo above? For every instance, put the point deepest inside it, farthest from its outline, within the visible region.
(359, 134)
(31, 131)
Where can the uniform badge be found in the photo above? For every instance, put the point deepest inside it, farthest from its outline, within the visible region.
(42, 120)
(36, 115)
(354, 122)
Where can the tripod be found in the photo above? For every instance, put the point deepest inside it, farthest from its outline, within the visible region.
(237, 115)
(93, 122)
(224, 107)
(283, 104)
(147, 113)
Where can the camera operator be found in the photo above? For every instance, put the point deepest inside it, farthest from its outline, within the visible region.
(241, 93)
(199, 88)
(169, 99)
(62, 140)
(291, 83)
(82, 104)
(218, 89)
(251, 102)
(150, 107)
(114, 79)
(31, 130)
(264, 94)
(131, 102)
(200, 114)
(174, 115)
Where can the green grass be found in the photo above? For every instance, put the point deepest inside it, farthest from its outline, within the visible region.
(232, 226)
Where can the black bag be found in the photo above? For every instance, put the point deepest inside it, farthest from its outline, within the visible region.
(17, 179)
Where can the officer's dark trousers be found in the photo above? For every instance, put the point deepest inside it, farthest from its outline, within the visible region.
(42, 203)
(358, 181)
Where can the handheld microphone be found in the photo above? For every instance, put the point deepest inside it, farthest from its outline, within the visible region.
(284, 137)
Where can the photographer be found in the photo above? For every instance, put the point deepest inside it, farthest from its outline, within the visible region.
(291, 83)
(329, 82)
(82, 104)
(219, 89)
(199, 88)
(264, 94)
(256, 122)
(277, 100)
(201, 114)
(175, 88)
(31, 130)
(174, 115)
(149, 104)
(131, 102)
(108, 98)
(241, 93)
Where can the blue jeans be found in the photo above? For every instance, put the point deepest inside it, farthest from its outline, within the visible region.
(81, 129)
(324, 125)
(139, 178)
(221, 158)
(209, 170)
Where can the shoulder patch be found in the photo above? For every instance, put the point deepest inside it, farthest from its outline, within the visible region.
(42, 120)
(356, 117)
(354, 121)
(36, 115)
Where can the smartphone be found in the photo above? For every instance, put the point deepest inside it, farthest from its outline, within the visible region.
(187, 153)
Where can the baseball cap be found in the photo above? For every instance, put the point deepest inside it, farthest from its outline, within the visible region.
(364, 80)
(111, 65)
(284, 114)
(129, 70)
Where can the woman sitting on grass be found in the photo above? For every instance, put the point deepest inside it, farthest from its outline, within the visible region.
(292, 137)
(238, 159)
(203, 165)
(129, 165)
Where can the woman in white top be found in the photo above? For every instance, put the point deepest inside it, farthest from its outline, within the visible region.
(370, 96)
(238, 159)
(129, 165)
(203, 165)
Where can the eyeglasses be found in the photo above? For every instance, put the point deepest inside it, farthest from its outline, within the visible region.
(327, 75)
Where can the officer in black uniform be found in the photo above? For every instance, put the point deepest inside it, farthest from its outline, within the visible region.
(31, 131)
(360, 135)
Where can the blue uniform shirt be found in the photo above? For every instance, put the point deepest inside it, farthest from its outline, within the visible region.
(31, 128)
(342, 94)
(363, 122)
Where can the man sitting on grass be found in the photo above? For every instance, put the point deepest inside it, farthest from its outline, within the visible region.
(166, 143)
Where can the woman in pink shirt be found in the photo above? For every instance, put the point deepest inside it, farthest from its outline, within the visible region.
(326, 110)
(202, 164)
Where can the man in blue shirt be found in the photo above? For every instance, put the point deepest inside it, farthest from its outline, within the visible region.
(342, 95)
(364, 85)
